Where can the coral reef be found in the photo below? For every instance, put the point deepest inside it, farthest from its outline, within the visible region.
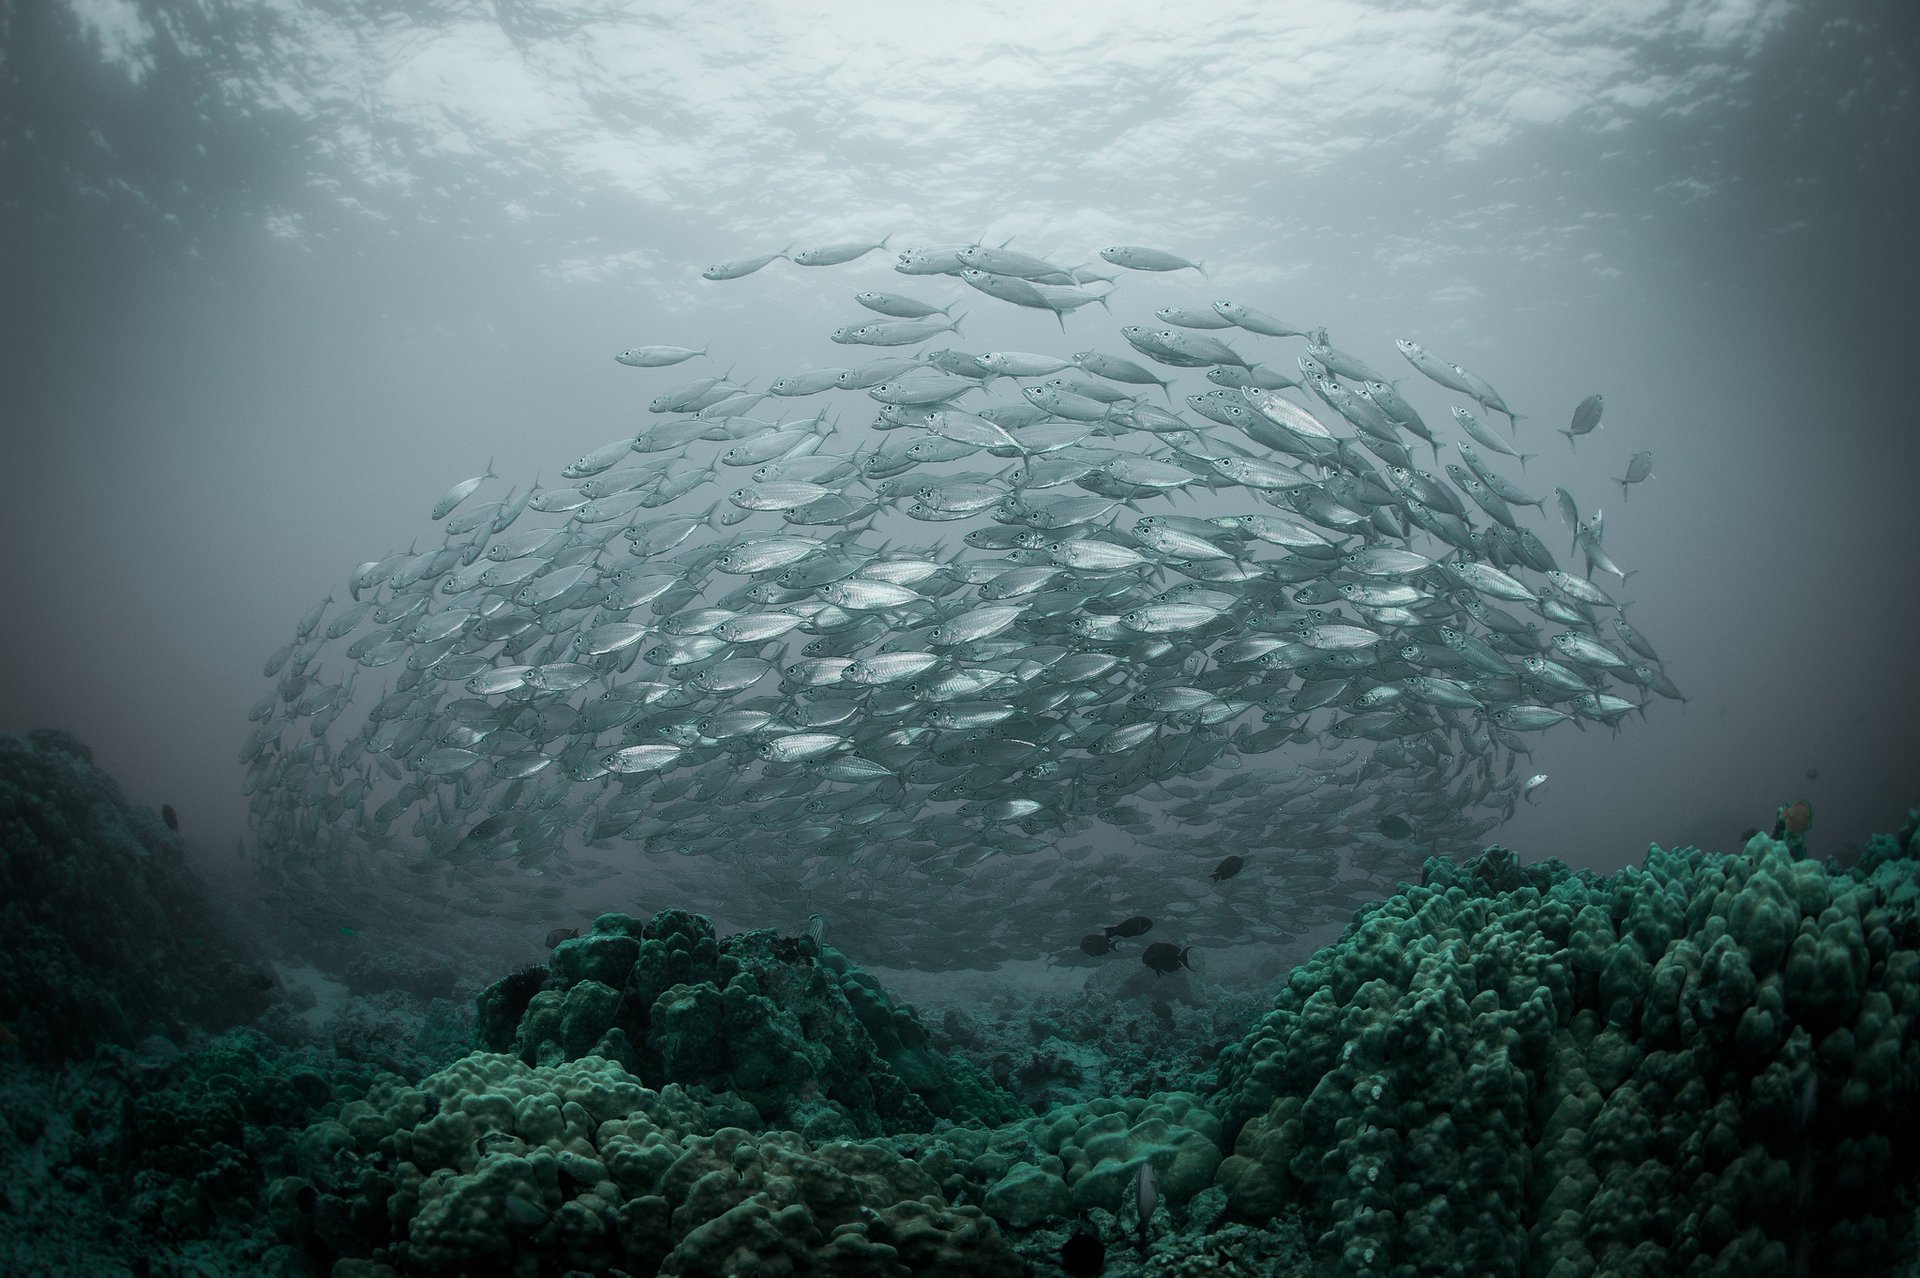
(105, 935)
(1705, 1065)
(494, 1166)
(802, 1035)
(138, 1158)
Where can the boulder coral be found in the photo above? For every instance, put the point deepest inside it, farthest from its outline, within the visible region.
(802, 1035)
(495, 1166)
(1704, 1065)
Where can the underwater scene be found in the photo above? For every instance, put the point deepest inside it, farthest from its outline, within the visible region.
(760, 639)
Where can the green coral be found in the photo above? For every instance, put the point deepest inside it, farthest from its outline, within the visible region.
(806, 1038)
(1699, 1066)
(492, 1165)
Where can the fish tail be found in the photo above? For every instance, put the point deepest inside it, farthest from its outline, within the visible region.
(1523, 458)
(1571, 437)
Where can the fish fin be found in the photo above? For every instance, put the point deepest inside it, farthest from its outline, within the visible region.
(1524, 458)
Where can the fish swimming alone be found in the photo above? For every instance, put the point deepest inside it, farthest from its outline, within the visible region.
(1586, 418)
(1639, 470)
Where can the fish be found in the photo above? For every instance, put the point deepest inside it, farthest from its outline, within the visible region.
(1586, 419)
(961, 644)
(170, 817)
(1531, 786)
(1093, 945)
(1146, 1197)
(1639, 470)
(893, 304)
(837, 254)
(1437, 370)
(1258, 321)
(894, 332)
(743, 266)
(459, 493)
(657, 356)
(1134, 926)
(1135, 258)
(560, 934)
(1228, 868)
(1165, 958)
(1482, 435)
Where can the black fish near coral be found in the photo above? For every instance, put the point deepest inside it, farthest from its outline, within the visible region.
(1165, 958)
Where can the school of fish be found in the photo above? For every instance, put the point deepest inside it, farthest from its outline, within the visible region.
(976, 653)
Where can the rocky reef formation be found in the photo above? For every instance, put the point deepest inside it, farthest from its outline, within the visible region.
(1706, 1065)
(796, 1031)
(105, 935)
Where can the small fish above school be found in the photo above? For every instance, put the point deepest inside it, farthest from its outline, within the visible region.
(1586, 419)
(1639, 470)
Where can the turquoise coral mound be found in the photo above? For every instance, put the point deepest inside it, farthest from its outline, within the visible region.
(1702, 1066)
(494, 1166)
(807, 1039)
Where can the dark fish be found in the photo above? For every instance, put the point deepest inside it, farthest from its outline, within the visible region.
(1395, 827)
(560, 934)
(1093, 945)
(1162, 1012)
(171, 817)
(1164, 957)
(1083, 1255)
(1130, 927)
(1813, 774)
(1794, 818)
(1228, 868)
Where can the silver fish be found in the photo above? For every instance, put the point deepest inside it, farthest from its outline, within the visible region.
(1639, 469)
(742, 266)
(1586, 418)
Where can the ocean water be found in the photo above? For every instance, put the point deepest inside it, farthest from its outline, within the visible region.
(281, 278)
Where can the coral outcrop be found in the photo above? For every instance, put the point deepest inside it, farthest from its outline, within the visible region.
(105, 935)
(1706, 1065)
(807, 1039)
(494, 1166)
